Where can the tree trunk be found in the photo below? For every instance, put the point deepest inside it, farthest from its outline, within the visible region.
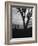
(27, 23)
(24, 23)
(23, 18)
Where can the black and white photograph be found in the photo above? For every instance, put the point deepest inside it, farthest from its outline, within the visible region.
(22, 22)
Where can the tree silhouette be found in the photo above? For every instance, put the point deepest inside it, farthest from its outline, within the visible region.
(22, 12)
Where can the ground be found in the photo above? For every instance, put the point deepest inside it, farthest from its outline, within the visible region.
(21, 33)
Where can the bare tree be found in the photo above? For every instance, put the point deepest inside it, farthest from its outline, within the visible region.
(22, 12)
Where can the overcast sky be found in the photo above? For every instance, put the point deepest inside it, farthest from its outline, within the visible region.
(17, 19)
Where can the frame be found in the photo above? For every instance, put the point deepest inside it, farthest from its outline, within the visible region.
(9, 39)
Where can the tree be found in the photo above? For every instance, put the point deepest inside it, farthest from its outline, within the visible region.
(22, 12)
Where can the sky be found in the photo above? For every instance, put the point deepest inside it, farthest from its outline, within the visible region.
(17, 19)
